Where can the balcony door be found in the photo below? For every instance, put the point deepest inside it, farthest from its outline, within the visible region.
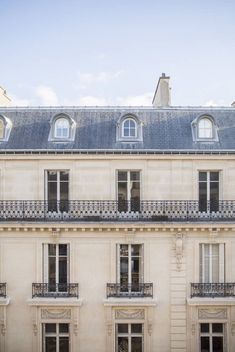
(128, 187)
(130, 267)
(212, 263)
(56, 267)
(208, 191)
(57, 189)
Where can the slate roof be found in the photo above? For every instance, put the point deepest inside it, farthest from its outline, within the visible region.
(164, 129)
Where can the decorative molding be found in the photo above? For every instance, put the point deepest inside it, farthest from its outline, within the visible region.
(193, 329)
(212, 313)
(150, 327)
(109, 328)
(233, 328)
(179, 247)
(56, 314)
(35, 328)
(75, 327)
(129, 314)
(3, 327)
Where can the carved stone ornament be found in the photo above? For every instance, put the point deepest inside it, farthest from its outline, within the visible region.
(75, 327)
(150, 328)
(3, 327)
(212, 313)
(129, 314)
(56, 314)
(179, 250)
(35, 328)
(109, 328)
(193, 329)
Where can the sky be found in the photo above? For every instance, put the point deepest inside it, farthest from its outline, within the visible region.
(105, 52)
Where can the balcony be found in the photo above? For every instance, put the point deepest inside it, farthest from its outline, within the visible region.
(111, 210)
(212, 290)
(3, 290)
(42, 290)
(130, 290)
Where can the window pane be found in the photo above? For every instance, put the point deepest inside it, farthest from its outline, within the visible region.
(52, 273)
(64, 175)
(202, 176)
(135, 249)
(204, 327)
(50, 328)
(136, 328)
(217, 327)
(215, 263)
(122, 344)
(64, 344)
(62, 249)
(52, 175)
(217, 343)
(122, 175)
(214, 176)
(63, 328)
(123, 328)
(135, 271)
(52, 249)
(205, 344)
(136, 344)
(134, 175)
(52, 191)
(50, 344)
(124, 272)
(202, 196)
(63, 272)
(124, 250)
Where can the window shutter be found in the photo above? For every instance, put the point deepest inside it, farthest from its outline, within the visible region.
(45, 263)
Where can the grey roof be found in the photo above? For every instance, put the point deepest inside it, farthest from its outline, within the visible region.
(164, 129)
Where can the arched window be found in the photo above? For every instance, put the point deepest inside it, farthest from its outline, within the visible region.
(129, 128)
(62, 128)
(205, 128)
(2, 129)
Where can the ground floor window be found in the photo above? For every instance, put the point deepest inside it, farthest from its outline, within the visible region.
(212, 337)
(129, 338)
(55, 337)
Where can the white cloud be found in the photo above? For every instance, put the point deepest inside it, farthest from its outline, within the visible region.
(90, 100)
(211, 103)
(136, 100)
(47, 95)
(88, 78)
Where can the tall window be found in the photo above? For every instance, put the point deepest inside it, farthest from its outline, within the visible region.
(128, 191)
(130, 267)
(212, 337)
(57, 190)
(129, 338)
(56, 266)
(129, 128)
(212, 263)
(62, 128)
(55, 337)
(208, 191)
(205, 128)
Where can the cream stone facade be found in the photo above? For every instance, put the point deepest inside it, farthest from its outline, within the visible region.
(117, 247)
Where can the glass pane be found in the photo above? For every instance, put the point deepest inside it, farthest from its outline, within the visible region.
(52, 249)
(205, 343)
(202, 196)
(202, 176)
(215, 263)
(214, 176)
(217, 343)
(52, 175)
(204, 327)
(64, 344)
(122, 175)
(217, 327)
(63, 328)
(63, 273)
(134, 175)
(136, 328)
(122, 196)
(122, 344)
(50, 328)
(214, 196)
(207, 277)
(64, 191)
(52, 273)
(122, 328)
(50, 344)
(135, 249)
(136, 344)
(135, 272)
(123, 273)
(124, 250)
(62, 249)
(64, 175)
(52, 191)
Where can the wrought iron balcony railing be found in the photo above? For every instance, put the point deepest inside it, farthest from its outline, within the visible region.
(42, 290)
(130, 290)
(3, 290)
(213, 290)
(111, 210)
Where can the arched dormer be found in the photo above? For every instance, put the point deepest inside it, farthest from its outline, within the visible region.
(129, 128)
(62, 128)
(204, 129)
(5, 128)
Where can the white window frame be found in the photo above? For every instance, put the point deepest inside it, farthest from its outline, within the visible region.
(62, 120)
(128, 185)
(203, 129)
(221, 259)
(58, 184)
(211, 334)
(129, 335)
(57, 334)
(129, 119)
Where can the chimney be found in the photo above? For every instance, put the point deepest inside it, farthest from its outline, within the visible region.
(162, 96)
(4, 99)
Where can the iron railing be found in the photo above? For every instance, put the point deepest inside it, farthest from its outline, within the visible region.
(213, 290)
(41, 290)
(130, 290)
(111, 210)
(3, 290)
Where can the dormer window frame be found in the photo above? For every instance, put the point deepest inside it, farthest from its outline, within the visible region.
(6, 128)
(196, 129)
(121, 129)
(61, 128)
(71, 129)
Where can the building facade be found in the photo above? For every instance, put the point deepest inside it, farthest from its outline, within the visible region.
(117, 228)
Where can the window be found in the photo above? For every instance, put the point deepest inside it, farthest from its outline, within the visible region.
(55, 337)
(205, 128)
(208, 191)
(2, 129)
(212, 337)
(128, 191)
(57, 190)
(130, 267)
(212, 263)
(129, 338)
(129, 128)
(62, 128)
(56, 267)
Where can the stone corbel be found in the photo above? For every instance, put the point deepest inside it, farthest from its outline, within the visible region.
(35, 328)
(3, 327)
(150, 327)
(75, 327)
(179, 247)
(109, 328)
(193, 328)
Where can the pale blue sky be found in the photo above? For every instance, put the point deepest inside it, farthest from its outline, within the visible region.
(75, 52)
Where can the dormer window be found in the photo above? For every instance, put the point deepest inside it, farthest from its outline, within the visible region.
(205, 128)
(129, 128)
(62, 128)
(2, 129)
(5, 128)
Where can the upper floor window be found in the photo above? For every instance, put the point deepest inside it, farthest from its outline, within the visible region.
(1, 129)
(128, 188)
(57, 190)
(205, 128)
(129, 128)
(5, 128)
(62, 128)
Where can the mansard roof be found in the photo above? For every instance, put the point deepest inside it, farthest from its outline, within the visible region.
(164, 129)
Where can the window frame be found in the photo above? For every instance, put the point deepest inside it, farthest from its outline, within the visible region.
(128, 181)
(58, 200)
(221, 262)
(71, 126)
(57, 121)
(212, 334)
(129, 334)
(129, 119)
(120, 137)
(57, 335)
(201, 128)
(209, 206)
